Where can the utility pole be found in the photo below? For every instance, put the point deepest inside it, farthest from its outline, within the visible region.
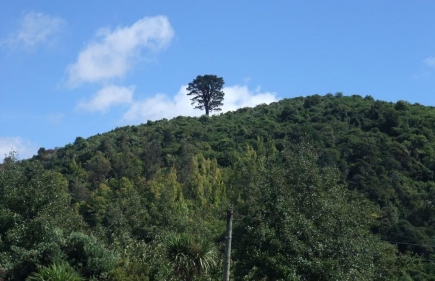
(228, 237)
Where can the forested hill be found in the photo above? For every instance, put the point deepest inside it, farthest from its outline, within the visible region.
(137, 185)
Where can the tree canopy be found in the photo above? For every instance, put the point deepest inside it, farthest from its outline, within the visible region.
(355, 204)
(207, 92)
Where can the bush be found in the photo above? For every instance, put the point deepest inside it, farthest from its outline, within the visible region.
(88, 255)
(56, 272)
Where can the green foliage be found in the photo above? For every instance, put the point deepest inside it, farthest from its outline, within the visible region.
(206, 184)
(88, 255)
(296, 222)
(138, 184)
(34, 205)
(191, 256)
(56, 272)
(99, 168)
(139, 260)
(131, 271)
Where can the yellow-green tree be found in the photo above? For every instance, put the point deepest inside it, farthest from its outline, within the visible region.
(206, 185)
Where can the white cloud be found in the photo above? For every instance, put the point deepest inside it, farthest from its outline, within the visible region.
(161, 106)
(112, 53)
(240, 96)
(23, 147)
(35, 28)
(108, 97)
(429, 61)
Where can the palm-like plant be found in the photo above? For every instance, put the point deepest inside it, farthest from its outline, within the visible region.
(56, 272)
(191, 256)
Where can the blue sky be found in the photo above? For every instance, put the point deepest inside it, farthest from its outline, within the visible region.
(79, 68)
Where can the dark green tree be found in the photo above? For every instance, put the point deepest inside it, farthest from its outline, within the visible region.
(296, 222)
(34, 209)
(207, 92)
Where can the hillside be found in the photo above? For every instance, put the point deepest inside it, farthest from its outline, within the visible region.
(364, 170)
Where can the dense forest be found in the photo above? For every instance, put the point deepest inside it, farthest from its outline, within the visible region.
(322, 187)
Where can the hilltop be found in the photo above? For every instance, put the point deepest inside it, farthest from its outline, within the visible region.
(373, 163)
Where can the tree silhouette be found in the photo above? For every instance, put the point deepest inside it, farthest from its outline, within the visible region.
(207, 92)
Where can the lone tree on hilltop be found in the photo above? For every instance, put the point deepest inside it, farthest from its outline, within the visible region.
(207, 92)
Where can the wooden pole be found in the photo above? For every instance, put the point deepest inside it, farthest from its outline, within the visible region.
(228, 234)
